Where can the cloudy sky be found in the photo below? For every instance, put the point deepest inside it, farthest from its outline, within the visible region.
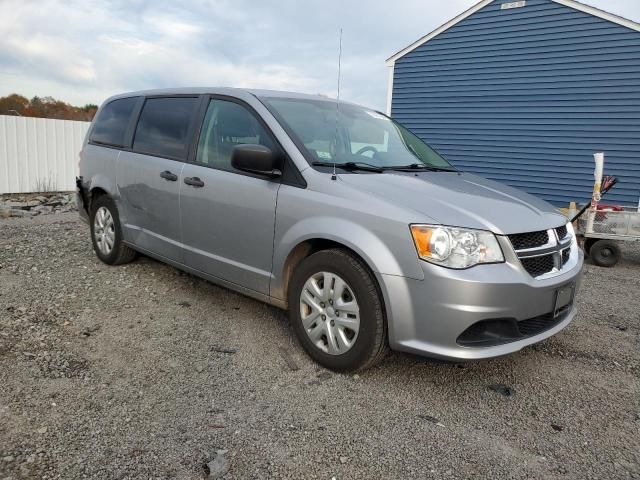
(83, 51)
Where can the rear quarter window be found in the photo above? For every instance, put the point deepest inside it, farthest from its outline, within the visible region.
(110, 127)
(163, 128)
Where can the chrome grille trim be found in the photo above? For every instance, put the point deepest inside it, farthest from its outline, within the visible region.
(555, 248)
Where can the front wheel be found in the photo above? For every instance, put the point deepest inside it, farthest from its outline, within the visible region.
(337, 312)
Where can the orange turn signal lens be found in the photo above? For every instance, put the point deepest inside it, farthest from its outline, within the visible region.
(422, 239)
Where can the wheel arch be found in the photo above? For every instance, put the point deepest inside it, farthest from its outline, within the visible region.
(374, 253)
(305, 249)
(100, 185)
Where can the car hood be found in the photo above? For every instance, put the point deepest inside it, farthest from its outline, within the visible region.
(460, 199)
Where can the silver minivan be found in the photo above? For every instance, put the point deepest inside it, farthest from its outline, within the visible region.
(336, 212)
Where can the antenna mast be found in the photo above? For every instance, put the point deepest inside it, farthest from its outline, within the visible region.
(333, 177)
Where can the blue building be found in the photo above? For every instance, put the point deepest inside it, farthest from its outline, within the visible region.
(525, 92)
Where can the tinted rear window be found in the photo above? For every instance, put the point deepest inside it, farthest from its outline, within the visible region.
(111, 125)
(164, 126)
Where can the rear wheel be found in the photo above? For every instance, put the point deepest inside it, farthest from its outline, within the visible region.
(605, 253)
(336, 311)
(106, 233)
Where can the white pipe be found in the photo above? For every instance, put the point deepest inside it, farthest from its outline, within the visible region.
(599, 159)
(596, 196)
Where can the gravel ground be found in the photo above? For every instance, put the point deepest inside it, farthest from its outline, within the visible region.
(141, 371)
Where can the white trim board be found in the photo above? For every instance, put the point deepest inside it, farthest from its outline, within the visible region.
(390, 89)
(567, 3)
(596, 12)
(392, 59)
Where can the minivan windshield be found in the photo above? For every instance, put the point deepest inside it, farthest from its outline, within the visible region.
(353, 136)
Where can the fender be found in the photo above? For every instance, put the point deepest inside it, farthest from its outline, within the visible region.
(367, 244)
(105, 183)
(98, 168)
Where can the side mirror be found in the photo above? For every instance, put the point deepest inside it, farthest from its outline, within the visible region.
(256, 159)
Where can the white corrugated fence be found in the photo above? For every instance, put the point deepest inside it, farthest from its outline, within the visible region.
(39, 154)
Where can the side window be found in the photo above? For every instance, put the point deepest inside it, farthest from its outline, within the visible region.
(110, 127)
(226, 125)
(163, 127)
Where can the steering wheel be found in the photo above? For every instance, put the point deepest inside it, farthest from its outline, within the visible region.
(368, 148)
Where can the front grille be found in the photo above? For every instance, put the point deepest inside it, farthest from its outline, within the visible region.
(537, 266)
(524, 241)
(562, 232)
(543, 252)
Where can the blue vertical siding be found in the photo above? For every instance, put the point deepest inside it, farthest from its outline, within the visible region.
(526, 96)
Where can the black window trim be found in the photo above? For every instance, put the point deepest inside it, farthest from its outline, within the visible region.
(291, 175)
(130, 127)
(190, 128)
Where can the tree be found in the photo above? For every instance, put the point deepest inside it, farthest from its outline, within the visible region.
(12, 104)
(45, 107)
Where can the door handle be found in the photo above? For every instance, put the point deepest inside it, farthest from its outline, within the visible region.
(167, 175)
(194, 182)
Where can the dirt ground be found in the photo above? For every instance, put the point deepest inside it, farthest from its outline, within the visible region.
(141, 371)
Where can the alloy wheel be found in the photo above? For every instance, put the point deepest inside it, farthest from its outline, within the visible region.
(104, 230)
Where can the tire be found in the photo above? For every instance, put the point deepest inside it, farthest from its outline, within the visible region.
(588, 243)
(118, 253)
(605, 253)
(360, 290)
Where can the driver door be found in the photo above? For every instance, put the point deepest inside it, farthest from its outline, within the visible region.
(228, 216)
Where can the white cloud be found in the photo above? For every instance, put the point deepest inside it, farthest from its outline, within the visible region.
(84, 51)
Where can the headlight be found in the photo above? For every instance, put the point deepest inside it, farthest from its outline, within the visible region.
(456, 247)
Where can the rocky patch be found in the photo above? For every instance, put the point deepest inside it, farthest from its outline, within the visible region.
(31, 205)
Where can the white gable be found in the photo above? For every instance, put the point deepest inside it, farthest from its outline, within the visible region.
(568, 3)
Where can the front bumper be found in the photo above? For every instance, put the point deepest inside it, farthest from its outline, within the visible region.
(428, 316)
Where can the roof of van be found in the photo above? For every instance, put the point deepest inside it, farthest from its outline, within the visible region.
(236, 92)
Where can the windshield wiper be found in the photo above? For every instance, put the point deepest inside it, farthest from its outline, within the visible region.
(419, 166)
(367, 167)
(415, 166)
(351, 166)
